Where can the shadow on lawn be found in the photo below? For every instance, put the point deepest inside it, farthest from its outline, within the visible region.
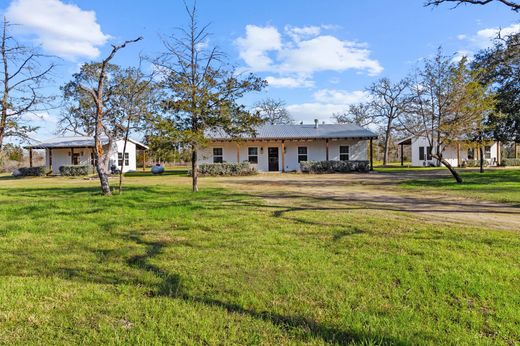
(171, 287)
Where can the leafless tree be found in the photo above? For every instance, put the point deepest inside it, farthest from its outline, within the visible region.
(512, 4)
(91, 83)
(389, 102)
(359, 114)
(273, 111)
(23, 71)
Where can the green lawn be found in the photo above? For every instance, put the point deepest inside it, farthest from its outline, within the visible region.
(159, 264)
(498, 185)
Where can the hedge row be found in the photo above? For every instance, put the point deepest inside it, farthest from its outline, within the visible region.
(74, 170)
(30, 171)
(334, 166)
(226, 169)
(474, 163)
(510, 162)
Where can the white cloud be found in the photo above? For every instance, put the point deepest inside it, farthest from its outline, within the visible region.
(256, 44)
(62, 29)
(328, 53)
(42, 116)
(301, 51)
(299, 33)
(340, 97)
(326, 102)
(461, 54)
(289, 82)
(482, 39)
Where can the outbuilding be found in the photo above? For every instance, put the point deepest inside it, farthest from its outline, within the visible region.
(79, 150)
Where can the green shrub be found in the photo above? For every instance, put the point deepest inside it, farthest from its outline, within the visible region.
(31, 171)
(226, 169)
(474, 163)
(74, 170)
(334, 166)
(510, 162)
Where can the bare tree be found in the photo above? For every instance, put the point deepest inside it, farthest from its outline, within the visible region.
(93, 95)
(389, 102)
(448, 105)
(512, 4)
(359, 114)
(134, 100)
(23, 71)
(273, 111)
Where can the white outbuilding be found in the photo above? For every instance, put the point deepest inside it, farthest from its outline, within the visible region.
(456, 152)
(79, 150)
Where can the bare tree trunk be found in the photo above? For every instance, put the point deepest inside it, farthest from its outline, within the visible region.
(3, 117)
(194, 170)
(481, 152)
(387, 143)
(452, 170)
(120, 189)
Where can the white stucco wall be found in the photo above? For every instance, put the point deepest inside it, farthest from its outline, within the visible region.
(63, 157)
(316, 151)
(449, 153)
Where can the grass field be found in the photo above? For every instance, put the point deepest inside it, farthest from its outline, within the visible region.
(159, 264)
(494, 185)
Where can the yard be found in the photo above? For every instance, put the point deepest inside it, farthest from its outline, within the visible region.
(383, 258)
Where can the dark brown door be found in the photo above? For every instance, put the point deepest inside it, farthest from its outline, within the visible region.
(272, 154)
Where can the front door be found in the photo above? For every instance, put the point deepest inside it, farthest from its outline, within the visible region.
(272, 154)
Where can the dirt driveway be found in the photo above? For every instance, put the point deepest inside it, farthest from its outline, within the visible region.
(375, 191)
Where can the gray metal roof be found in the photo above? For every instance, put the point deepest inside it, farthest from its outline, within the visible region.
(302, 131)
(75, 142)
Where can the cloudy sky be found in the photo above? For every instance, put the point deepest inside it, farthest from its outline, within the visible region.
(318, 56)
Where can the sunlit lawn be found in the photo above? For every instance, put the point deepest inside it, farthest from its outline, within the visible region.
(159, 264)
(500, 185)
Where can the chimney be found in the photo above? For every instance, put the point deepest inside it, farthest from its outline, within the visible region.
(315, 123)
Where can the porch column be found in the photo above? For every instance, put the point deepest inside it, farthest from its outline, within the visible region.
(144, 160)
(283, 156)
(327, 149)
(30, 157)
(371, 156)
(50, 159)
(458, 154)
(402, 155)
(71, 156)
(238, 153)
(499, 153)
(516, 150)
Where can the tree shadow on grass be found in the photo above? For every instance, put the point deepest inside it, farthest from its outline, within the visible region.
(171, 287)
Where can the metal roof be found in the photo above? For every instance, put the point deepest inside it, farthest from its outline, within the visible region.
(302, 131)
(75, 142)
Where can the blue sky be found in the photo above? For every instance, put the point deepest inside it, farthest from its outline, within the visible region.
(317, 55)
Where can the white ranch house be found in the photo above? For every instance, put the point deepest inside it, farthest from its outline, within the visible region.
(280, 148)
(456, 153)
(79, 150)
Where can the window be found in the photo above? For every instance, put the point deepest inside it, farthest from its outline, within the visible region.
(421, 153)
(487, 152)
(343, 152)
(252, 155)
(120, 159)
(471, 154)
(75, 159)
(428, 153)
(302, 154)
(218, 155)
